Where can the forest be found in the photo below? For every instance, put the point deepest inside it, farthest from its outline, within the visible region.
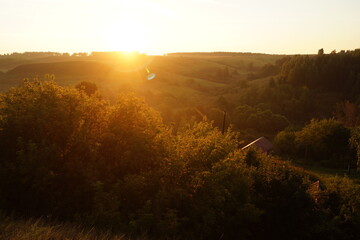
(86, 141)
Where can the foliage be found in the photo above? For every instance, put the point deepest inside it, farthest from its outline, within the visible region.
(132, 141)
(340, 202)
(261, 120)
(347, 113)
(333, 72)
(47, 139)
(75, 157)
(88, 87)
(284, 143)
(279, 190)
(324, 139)
(328, 78)
(355, 143)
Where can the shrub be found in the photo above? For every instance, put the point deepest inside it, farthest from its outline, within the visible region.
(325, 139)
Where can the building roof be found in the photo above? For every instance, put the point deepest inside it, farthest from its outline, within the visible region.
(261, 143)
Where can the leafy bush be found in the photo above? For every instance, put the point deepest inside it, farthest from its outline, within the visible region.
(284, 142)
(325, 141)
(340, 203)
(260, 120)
(47, 139)
(88, 87)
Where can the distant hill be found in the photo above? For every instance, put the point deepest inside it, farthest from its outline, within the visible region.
(218, 54)
(62, 68)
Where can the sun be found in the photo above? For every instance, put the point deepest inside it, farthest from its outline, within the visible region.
(127, 37)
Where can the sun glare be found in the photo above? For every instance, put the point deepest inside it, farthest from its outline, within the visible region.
(127, 37)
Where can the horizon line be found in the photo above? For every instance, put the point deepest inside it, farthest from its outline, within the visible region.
(166, 53)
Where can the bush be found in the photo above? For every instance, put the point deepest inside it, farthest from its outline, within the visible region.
(284, 143)
(47, 139)
(260, 120)
(279, 192)
(88, 87)
(340, 203)
(325, 139)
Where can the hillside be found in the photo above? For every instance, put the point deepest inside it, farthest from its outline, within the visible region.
(111, 161)
(182, 81)
(275, 90)
(70, 68)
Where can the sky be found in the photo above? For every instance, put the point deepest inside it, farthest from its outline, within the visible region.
(162, 26)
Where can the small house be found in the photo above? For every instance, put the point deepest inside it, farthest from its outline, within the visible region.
(262, 144)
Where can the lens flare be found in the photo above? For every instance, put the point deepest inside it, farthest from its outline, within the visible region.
(150, 75)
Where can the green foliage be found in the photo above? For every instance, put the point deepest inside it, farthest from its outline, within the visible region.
(75, 157)
(88, 87)
(341, 204)
(217, 116)
(202, 145)
(328, 78)
(332, 72)
(324, 139)
(355, 143)
(262, 120)
(133, 139)
(47, 138)
(293, 102)
(347, 113)
(279, 190)
(284, 143)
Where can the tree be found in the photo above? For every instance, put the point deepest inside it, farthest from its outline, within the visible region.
(355, 143)
(347, 113)
(260, 120)
(88, 87)
(325, 139)
(284, 142)
(48, 138)
(132, 141)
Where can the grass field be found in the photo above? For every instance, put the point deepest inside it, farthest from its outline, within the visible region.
(323, 172)
(38, 229)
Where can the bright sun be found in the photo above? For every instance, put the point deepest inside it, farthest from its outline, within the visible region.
(127, 37)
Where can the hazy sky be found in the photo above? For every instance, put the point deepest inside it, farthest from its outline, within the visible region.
(160, 26)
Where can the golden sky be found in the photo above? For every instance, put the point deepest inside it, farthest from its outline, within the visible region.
(161, 26)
